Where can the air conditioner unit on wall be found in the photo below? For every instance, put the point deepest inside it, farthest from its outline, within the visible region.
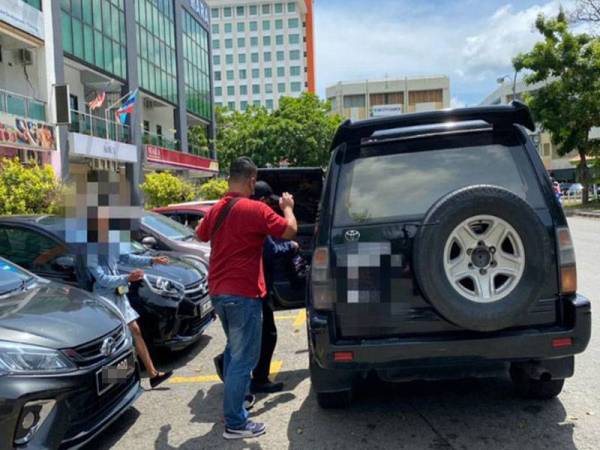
(25, 57)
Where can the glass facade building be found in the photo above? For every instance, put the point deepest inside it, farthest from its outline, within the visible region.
(94, 31)
(197, 67)
(157, 61)
(35, 3)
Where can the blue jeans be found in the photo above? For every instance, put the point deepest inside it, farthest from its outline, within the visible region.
(241, 318)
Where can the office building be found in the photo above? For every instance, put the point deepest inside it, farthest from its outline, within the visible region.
(261, 50)
(358, 100)
(107, 49)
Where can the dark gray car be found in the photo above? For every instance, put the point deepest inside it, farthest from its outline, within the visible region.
(67, 366)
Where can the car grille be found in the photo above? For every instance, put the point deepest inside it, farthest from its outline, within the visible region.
(196, 291)
(92, 352)
(191, 327)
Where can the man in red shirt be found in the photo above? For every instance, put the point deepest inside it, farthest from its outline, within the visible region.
(237, 227)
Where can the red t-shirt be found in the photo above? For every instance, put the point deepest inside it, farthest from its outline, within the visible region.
(236, 266)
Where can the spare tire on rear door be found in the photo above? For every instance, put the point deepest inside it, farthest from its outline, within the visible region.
(481, 257)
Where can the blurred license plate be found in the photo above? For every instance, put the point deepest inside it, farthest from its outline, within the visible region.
(115, 373)
(205, 308)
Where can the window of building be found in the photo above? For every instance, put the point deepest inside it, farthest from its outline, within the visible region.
(196, 67)
(295, 71)
(279, 24)
(227, 28)
(281, 72)
(253, 10)
(546, 149)
(228, 59)
(256, 102)
(269, 104)
(267, 41)
(241, 42)
(228, 43)
(230, 75)
(230, 91)
(279, 39)
(281, 88)
(253, 26)
(280, 55)
(354, 101)
(243, 105)
(227, 12)
(244, 90)
(293, 23)
(216, 44)
(241, 27)
(243, 74)
(268, 72)
(219, 104)
(242, 58)
(278, 8)
(295, 55)
(159, 133)
(255, 74)
(267, 56)
(268, 88)
(266, 25)
(214, 12)
(254, 57)
(217, 75)
(256, 89)
(266, 9)
(294, 39)
(231, 106)
(216, 60)
(240, 11)
(291, 7)
(215, 28)
(296, 86)
(254, 41)
(218, 91)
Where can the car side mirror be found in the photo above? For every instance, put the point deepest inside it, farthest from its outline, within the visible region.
(149, 242)
(65, 263)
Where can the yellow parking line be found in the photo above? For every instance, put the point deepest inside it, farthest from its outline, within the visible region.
(300, 318)
(275, 369)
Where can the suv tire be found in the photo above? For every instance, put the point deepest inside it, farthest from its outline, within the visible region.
(430, 254)
(329, 400)
(532, 388)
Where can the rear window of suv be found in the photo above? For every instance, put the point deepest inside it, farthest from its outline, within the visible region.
(402, 180)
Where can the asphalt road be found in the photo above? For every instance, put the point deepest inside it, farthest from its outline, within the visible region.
(467, 414)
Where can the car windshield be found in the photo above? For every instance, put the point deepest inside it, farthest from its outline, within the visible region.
(167, 227)
(137, 248)
(12, 277)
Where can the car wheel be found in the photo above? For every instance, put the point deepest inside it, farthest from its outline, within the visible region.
(481, 257)
(542, 389)
(329, 400)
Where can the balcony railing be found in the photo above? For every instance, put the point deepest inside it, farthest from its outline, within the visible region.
(199, 151)
(98, 126)
(22, 106)
(159, 141)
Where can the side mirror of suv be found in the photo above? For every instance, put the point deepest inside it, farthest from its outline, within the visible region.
(149, 242)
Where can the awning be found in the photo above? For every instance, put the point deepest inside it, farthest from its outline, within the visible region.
(160, 156)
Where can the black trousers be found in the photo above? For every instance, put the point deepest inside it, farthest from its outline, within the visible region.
(260, 374)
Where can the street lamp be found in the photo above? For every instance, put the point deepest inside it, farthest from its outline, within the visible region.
(503, 78)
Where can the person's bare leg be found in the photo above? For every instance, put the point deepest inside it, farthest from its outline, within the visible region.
(142, 349)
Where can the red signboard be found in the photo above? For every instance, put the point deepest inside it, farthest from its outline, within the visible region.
(180, 160)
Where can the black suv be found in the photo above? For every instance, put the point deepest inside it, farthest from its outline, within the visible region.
(440, 250)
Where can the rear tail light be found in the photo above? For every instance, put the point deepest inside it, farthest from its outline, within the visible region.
(562, 342)
(566, 261)
(322, 284)
(343, 356)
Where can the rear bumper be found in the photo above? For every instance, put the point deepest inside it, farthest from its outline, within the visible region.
(507, 346)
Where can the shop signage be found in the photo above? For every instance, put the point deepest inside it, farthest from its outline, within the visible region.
(180, 160)
(98, 148)
(22, 16)
(16, 132)
(386, 110)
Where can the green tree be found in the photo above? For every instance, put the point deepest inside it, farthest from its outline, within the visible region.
(161, 189)
(198, 138)
(28, 189)
(299, 133)
(213, 189)
(568, 104)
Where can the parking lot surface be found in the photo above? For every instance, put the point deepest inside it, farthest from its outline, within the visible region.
(467, 414)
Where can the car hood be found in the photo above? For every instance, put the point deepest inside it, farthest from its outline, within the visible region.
(177, 270)
(55, 316)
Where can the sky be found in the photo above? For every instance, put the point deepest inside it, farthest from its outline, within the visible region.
(470, 41)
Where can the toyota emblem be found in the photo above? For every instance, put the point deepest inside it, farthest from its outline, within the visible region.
(352, 235)
(108, 346)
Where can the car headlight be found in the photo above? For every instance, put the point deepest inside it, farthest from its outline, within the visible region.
(164, 286)
(18, 358)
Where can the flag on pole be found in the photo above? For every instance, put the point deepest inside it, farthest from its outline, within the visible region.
(97, 101)
(127, 107)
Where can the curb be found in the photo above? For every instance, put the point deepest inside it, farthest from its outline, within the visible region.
(583, 213)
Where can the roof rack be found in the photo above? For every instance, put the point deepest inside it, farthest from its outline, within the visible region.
(515, 113)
